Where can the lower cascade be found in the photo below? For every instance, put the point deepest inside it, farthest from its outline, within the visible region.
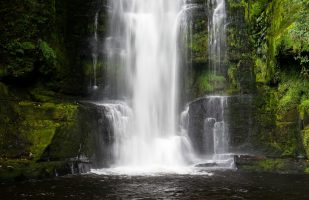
(208, 130)
(131, 152)
(147, 133)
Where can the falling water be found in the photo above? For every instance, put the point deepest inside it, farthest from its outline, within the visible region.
(142, 53)
(119, 115)
(217, 36)
(95, 51)
(143, 67)
(216, 134)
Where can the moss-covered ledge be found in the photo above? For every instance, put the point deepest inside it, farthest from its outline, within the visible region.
(261, 164)
(41, 135)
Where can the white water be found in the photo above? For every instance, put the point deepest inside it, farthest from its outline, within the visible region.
(95, 52)
(143, 59)
(128, 150)
(217, 35)
(143, 52)
(215, 125)
(216, 133)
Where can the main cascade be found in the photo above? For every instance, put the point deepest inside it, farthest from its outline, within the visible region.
(143, 70)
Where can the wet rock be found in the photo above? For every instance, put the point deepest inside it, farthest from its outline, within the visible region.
(207, 165)
(238, 118)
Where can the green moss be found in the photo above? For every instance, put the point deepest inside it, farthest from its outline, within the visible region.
(232, 75)
(278, 45)
(32, 125)
(256, 8)
(48, 57)
(304, 109)
(278, 29)
(292, 91)
(279, 110)
(207, 83)
(277, 129)
(41, 122)
(40, 94)
(305, 139)
(203, 84)
(284, 139)
(22, 169)
(43, 52)
(271, 165)
(40, 134)
(199, 47)
(261, 71)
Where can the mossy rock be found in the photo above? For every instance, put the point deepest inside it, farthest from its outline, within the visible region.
(74, 139)
(28, 127)
(304, 112)
(289, 116)
(259, 164)
(305, 139)
(206, 83)
(20, 170)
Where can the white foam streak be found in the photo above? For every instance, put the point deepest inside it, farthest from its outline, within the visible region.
(155, 170)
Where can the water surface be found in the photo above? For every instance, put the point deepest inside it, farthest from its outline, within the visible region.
(220, 185)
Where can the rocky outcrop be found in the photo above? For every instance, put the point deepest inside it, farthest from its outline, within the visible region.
(237, 114)
(45, 55)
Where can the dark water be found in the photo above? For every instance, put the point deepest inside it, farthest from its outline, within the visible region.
(223, 185)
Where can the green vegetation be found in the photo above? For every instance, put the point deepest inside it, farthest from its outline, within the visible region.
(306, 139)
(19, 170)
(41, 130)
(280, 32)
(275, 165)
(199, 44)
(208, 83)
(271, 165)
(278, 48)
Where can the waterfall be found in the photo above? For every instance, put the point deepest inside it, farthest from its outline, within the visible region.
(215, 128)
(95, 51)
(142, 76)
(217, 36)
(119, 115)
(216, 133)
(143, 69)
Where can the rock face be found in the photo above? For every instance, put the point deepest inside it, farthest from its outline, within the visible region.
(261, 64)
(56, 136)
(250, 127)
(45, 54)
(236, 114)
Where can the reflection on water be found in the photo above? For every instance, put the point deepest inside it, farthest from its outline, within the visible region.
(222, 185)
